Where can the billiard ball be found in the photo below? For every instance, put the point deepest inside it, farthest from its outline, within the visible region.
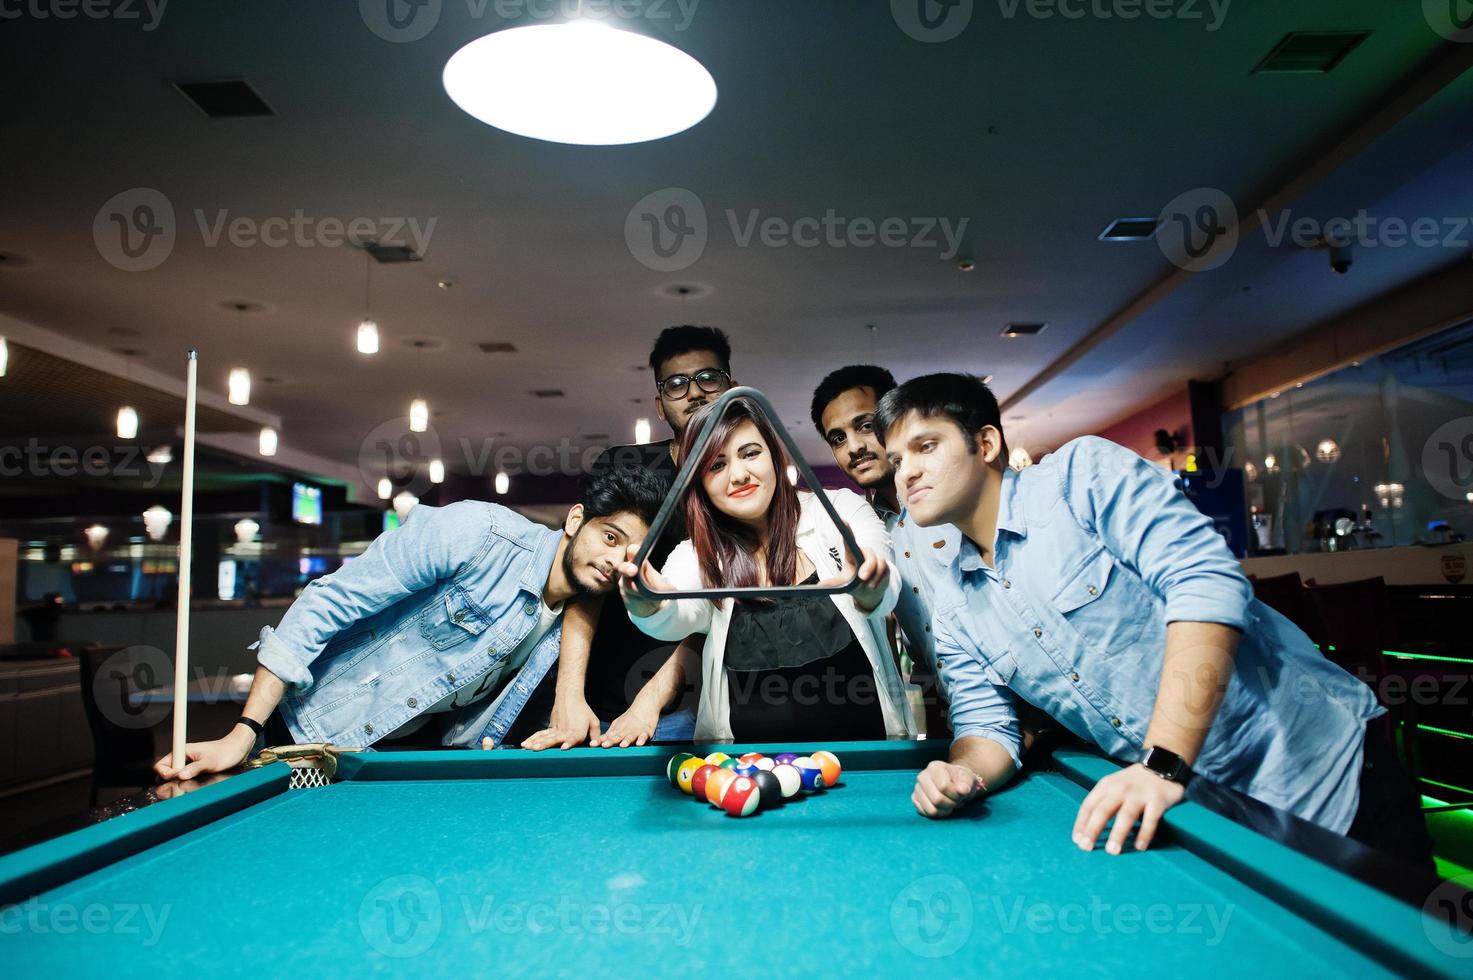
(717, 758)
(765, 764)
(716, 785)
(698, 780)
(752, 756)
(730, 763)
(740, 797)
(810, 772)
(788, 780)
(782, 757)
(772, 790)
(746, 769)
(687, 772)
(672, 768)
(829, 764)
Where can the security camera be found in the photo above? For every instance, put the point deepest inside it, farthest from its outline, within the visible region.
(1342, 257)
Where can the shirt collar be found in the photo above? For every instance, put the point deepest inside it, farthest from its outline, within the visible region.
(534, 578)
(968, 556)
(1010, 516)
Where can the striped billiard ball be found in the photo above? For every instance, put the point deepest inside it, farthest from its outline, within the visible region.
(672, 768)
(782, 757)
(687, 772)
(699, 778)
(751, 756)
(829, 764)
(788, 779)
(772, 790)
(717, 758)
(730, 763)
(741, 797)
(747, 769)
(810, 772)
(765, 764)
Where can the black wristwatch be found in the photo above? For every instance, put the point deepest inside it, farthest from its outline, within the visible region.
(1167, 765)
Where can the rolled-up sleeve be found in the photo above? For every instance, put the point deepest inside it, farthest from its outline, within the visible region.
(978, 707)
(1148, 524)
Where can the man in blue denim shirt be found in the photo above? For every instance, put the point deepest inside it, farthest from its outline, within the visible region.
(1090, 587)
(457, 613)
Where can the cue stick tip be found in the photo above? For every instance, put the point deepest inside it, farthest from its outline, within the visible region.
(193, 354)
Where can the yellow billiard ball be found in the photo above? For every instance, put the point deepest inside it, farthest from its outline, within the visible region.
(717, 758)
(686, 771)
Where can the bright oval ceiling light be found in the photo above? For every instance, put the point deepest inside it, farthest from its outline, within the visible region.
(580, 82)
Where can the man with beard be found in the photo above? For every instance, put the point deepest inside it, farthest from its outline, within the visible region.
(438, 633)
(605, 659)
(843, 410)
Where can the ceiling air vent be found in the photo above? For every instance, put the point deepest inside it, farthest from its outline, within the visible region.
(1129, 230)
(548, 392)
(228, 99)
(390, 254)
(497, 348)
(1310, 52)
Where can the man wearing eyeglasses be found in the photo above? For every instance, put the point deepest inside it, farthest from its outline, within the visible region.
(604, 658)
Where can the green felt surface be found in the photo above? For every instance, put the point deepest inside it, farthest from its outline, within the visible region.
(577, 875)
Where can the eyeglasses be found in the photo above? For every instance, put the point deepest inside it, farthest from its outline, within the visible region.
(709, 380)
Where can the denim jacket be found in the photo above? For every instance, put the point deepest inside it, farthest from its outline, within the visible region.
(1096, 552)
(413, 619)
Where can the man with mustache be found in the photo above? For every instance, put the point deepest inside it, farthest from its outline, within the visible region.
(438, 633)
(843, 410)
(1091, 587)
(601, 648)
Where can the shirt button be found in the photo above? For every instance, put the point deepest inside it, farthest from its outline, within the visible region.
(1115, 722)
(1037, 633)
(1092, 590)
(1074, 676)
(916, 589)
(413, 702)
(902, 524)
(529, 609)
(450, 678)
(1006, 584)
(491, 652)
(368, 729)
(928, 627)
(907, 554)
(459, 617)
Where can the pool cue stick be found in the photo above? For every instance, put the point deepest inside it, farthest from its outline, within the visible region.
(186, 542)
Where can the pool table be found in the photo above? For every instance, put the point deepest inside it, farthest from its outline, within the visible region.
(588, 861)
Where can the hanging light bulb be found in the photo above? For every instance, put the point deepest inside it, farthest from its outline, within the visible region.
(156, 521)
(404, 502)
(240, 386)
(419, 415)
(96, 536)
(1271, 463)
(368, 337)
(245, 530)
(641, 431)
(268, 441)
(385, 489)
(503, 483)
(161, 455)
(437, 471)
(1327, 451)
(4, 356)
(127, 423)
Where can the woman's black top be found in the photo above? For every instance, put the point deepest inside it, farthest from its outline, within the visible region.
(797, 673)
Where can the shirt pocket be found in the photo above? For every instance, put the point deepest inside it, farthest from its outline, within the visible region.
(1099, 602)
(451, 619)
(999, 670)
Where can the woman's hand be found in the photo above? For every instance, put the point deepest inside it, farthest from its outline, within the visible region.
(634, 727)
(635, 602)
(874, 578)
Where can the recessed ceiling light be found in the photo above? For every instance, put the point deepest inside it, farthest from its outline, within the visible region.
(581, 82)
(1023, 329)
(1129, 230)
